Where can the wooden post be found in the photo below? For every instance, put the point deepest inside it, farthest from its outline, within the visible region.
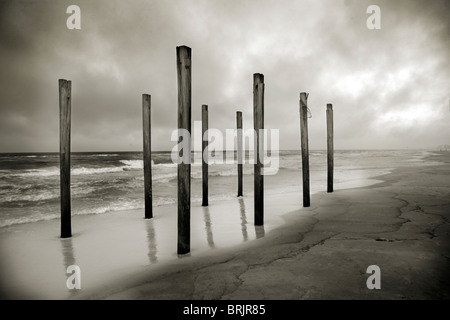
(305, 148)
(204, 154)
(258, 125)
(146, 115)
(240, 157)
(65, 89)
(184, 169)
(330, 148)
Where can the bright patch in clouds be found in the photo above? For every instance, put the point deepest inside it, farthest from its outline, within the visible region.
(355, 84)
(409, 118)
(397, 80)
(106, 68)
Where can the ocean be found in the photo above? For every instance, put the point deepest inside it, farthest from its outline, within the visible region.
(105, 182)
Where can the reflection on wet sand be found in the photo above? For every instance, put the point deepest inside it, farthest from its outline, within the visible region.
(259, 231)
(151, 238)
(69, 258)
(208, 227)
(243, 219)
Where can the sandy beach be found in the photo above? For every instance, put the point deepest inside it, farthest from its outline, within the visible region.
(400, 223)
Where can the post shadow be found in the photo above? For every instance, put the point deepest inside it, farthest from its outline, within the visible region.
(69, 259)
(243, 220)
(259, 231)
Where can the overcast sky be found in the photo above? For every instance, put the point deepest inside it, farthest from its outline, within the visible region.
(389, 87)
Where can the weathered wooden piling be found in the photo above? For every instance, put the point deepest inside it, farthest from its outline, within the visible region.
(305, 148)
(330, 148)
(258, 126)
(146, 116)
(240, 156)
(204, 155)
(184, 168)
(65, 91)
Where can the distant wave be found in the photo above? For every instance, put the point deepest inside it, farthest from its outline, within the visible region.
(20, 198)
(164, 165)
(136, 164)
(51, 171)
(55, 171)
(139, 164)
(129, 165)
(83, 170)
(106, 155)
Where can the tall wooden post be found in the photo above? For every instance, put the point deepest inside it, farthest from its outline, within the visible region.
(65, 90)
(330, 148)
(204, 155)
(305, 148)
(258, 125)
(240, 156)
(184, 168)
(146, 116)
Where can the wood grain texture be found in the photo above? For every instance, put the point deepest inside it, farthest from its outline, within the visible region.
(65, 91)
(258, 125)
(184, 168)
(330, 148)
(240, 154)
(305, 148)
(204, 154)
(146, 123)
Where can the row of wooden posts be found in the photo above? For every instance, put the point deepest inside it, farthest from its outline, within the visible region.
(184, 68)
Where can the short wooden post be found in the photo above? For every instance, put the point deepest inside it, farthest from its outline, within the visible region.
(330, 148)
(65, 90)
(146, 115)
(258, 125)
(305, 148)
(240, 157)
(184, 169)
(204, 155)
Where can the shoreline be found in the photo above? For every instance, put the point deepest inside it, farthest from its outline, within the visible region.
(261, 267)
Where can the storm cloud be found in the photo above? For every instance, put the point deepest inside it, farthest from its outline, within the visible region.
(389, 87)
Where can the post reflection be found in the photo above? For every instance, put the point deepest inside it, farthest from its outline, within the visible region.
(151, 239)
(243, 219)
(68, 254)
(208, 227)
(259, 231)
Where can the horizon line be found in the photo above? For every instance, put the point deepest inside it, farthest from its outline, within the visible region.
(227, 150)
